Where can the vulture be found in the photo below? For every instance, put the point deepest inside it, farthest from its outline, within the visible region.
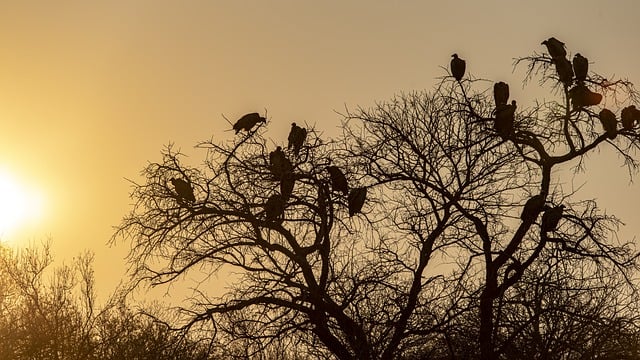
(458, 67)
(555, 47)
(609, 122)
(629, 116)
(551, 218)
(247, 122)
(581, 96)
(286, 184)
(501, 93)
(356, 199)
(505, 119)
(184, 190)
(297, 136)
(280, 165)
(338, 180)
(564, 70)
(274, 207)
(532, 207)
(580, 67)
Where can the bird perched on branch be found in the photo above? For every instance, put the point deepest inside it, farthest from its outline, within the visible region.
(581, 96)
(501, 93)
(247, 122)
(287, 183)
(297, 136)
(555, 47)
(338, 180)
(183, 189)
(532, 207)
(609, 122)
(458, 67)
(629, 116)
(580, 67)
(551, 218)
(356, 200)
(274, 207)
(279, 164)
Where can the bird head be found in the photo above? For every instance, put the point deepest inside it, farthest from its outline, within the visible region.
(279, 148)
(513, 103)
(293, 124)
(455, 56)
(544, 42)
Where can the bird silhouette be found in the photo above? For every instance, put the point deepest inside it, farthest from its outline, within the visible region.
(505, 119)
(581, 96)
(356, 200)
(297, 136)
(338, 180)
(274, 207)
(551, 218)
(501, 93)
(287, 183)
(580, 67)
(629, 115)
(564, 70)
(458, 67)
(555, 47)
(532, 207)
(279, 164)
(183, 189)
(247, 122)
(609, 122)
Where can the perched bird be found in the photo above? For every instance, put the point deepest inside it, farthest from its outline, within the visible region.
(247, 122)
(581, 96)
(280, 165)
(183, 189)
(274, 207)
(286, 184)
(609, 122)
(564, 70)
(555, 47)
(629, 116)
(580, 67)
(532, 207)
(505, 119)
(338, 180)
(551, 218)
(458, 67)
(356, 199)
(297, 136)
(501, 93)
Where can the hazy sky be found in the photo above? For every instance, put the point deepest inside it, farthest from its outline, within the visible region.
(90, 91)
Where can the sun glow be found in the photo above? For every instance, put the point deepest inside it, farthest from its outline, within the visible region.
(19, 205)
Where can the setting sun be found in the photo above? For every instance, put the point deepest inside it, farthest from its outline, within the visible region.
(18, 204)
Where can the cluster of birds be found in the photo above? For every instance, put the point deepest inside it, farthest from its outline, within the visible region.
(550, 218)
(283, 171)
(569, 73)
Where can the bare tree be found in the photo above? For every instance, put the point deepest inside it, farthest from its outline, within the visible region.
(441, 234)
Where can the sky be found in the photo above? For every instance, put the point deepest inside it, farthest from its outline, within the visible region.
(91, 91)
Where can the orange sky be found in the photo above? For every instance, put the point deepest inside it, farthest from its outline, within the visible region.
(90, 91)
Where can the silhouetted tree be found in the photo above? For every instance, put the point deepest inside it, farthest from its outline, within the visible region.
(445, 187)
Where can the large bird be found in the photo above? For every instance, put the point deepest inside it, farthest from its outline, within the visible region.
(280, 165)
(580, 67)
(505, 118)
(501, 93)
(274, 207)
(183, 189)
(551, 218)
(609, 122)
(297, 136)
(532, 207)
(629, 116)
(287, 183)
(247, 122)
(356, 200)
(564, 70)
(555, 47)
(338, 180)
(458, 67)
(581, 96)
